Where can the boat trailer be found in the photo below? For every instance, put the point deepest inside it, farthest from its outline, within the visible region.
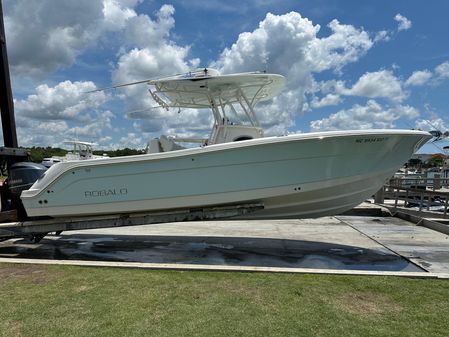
(36, 230)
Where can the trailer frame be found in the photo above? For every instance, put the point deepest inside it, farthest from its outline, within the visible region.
(35, 230)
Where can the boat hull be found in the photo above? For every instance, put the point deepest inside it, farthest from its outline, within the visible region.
(296, 176)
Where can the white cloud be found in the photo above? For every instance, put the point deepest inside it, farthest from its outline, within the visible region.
(421, 77)
(47, 35)
(40, 133)
(43, 117)
(405, 111)
(328, 100)
(346, 44)
(277, 116)
(369, 116)
(146, 63)
(54, 34)
(271, 46)
(185, 123)
(143, 32)
(442, 70)
(152, 54)
(436, 123)
(95, 128)
(132, 141)
(117, 13)
(418, 78)
(403, 22)
(379, 84)
(289, 44)
(65, 101)
(382, 35)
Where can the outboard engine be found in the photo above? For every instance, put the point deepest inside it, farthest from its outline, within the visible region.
(21, 177)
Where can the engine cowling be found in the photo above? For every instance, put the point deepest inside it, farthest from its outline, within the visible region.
(21, 177)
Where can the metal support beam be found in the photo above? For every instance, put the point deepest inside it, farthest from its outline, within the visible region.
(6, 101)
(35, 227)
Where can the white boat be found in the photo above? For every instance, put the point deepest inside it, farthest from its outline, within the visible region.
(80, 151)
(293, 176)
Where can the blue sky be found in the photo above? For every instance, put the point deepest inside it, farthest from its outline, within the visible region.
(349, 64)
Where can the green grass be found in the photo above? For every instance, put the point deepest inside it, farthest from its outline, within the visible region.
(75, 301)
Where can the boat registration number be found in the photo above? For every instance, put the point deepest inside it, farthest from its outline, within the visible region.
(371, 140)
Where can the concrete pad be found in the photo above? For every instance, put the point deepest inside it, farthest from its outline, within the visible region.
(324, 243)
(427, 248)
